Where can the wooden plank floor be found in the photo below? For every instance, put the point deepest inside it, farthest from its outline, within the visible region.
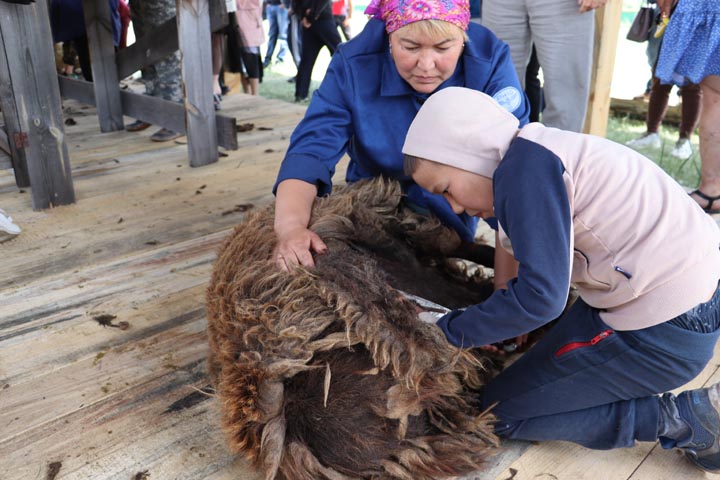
(79, 400)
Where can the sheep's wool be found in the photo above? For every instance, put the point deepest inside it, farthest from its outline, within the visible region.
(326, 373)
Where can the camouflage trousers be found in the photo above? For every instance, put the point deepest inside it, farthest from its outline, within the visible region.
(164, 78)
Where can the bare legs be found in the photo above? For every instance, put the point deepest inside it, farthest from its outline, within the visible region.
(250, 85)
(710, 140)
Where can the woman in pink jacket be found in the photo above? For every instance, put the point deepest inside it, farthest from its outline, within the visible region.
(643, 255)
(244, 42)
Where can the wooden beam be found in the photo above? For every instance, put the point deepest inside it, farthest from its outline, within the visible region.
(10, 115)
(637, 109)
(28, 62)
(194, 40)
(148, 50)
(152, 110)
(607, 25)
(159, 43)
(102, 53)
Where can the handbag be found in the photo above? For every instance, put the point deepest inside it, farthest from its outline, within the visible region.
(640, 28)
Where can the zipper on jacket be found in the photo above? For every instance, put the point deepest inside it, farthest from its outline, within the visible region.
(575, 345)
(627, 274)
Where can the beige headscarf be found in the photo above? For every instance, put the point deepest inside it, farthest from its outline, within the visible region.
(462, 128)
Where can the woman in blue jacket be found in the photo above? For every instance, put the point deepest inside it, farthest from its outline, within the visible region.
(372, 90)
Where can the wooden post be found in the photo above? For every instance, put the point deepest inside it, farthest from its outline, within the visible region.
(32, 95)
(98, 25)
(10, 115)
(607, 25)
(194, 40)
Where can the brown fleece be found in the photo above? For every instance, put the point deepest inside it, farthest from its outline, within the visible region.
(326, 373)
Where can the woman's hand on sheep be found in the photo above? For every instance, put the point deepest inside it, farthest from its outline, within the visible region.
(295, 242)
(295, 248)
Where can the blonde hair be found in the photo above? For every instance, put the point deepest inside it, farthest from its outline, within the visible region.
(434, 29)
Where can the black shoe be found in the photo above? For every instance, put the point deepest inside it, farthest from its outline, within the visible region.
(301, 100)
(137, 126)
(224, 89)
(165, 135)
(292, 80)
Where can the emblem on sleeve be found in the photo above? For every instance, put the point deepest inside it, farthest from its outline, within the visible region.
(509, 98)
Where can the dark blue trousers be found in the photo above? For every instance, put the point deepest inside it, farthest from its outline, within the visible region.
(322, 33)
(587, 383)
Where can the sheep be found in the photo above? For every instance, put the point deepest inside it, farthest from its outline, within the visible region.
(326, 373)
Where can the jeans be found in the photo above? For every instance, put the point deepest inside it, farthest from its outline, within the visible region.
(586, 383)
(277, 16)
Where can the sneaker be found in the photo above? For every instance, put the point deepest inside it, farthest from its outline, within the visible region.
(647, 140)
(164, 135)
(698, 434)
(683, 149)
(8, 230)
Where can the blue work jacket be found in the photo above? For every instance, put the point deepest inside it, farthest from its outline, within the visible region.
(363, 107)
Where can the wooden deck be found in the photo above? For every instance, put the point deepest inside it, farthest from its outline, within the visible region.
(102, 319)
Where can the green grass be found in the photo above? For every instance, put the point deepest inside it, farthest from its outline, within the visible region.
(685, 172)
(275, 84)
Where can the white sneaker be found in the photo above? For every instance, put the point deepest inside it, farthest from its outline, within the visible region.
(646, 140)
(683, 149)
(8, 229)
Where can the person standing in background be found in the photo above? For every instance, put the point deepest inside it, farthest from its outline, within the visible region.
(533, 87)
(294, 37)
(125, 18)
(67, 23)
(318, 30)
(246, 36)
(562, 32)
(691, 53)
(342, 13)
(217, 45)
(164, 78)
(277, 15)
(658, 105)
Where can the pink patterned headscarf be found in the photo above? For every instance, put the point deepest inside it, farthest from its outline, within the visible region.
(398, 13)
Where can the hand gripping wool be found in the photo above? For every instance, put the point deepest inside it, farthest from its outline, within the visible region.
(327, 373)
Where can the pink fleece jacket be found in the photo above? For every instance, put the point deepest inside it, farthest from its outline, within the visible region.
(641, 249)
(629, 214)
